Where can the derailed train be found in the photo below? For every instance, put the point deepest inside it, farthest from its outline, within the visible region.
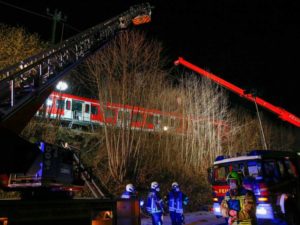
(77, 110)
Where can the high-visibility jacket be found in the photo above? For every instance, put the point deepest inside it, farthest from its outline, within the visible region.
(176, 200)
(154, 202)
(244, 203)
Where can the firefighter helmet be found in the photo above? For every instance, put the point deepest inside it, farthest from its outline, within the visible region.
(154, 185)
(175, 185)
(233, 175)
(130, 188)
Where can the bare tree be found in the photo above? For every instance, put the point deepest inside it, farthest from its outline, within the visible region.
(127, 71)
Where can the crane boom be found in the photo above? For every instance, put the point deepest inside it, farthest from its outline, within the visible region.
(282, 114)
(25, 85)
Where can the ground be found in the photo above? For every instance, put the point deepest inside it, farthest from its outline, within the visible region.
(196, 218)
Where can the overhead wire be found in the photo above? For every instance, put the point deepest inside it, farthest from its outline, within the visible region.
(36, 14)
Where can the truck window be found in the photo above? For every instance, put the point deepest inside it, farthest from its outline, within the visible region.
(254, 169)
(271, 172)
(291, 168)
(280, 167)
(220, 174)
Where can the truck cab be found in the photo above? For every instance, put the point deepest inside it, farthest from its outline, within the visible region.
(52, 173)
(273, 176)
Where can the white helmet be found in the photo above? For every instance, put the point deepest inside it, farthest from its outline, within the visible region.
(175, 185)
(154, 185)
(130, 188)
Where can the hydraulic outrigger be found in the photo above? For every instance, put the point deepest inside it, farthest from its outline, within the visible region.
(282, 114)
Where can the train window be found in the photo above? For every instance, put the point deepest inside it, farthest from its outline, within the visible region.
(87, 108)
(68, 104)
(156, 120)
(94, 110)
(165, 121)
(109, 113)
(176, 122)
(172, 122)
(60, 104)
(137, 117)
(77, 106)
(124, 116)
(149, 118)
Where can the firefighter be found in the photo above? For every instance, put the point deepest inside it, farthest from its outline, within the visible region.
(154, 204)
(129, 192)
(239, 204)
(176, 200)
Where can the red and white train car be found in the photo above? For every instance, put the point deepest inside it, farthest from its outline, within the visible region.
(78, 110)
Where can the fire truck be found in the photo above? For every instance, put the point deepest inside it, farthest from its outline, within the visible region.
(273, 176)
(26, 85)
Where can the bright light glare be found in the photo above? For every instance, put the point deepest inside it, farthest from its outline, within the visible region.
(261, 211)
(62, 86)
(165, 128)
(141, 203)
(217, 209)
(49, 102)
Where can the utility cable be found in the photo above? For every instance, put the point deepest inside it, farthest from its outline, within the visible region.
(36, 14)
(25, 10)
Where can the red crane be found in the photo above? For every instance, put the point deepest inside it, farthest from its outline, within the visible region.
(282, 114)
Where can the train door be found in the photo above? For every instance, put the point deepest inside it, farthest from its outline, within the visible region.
(157, 122)
(77, 109)
(87, 111)
(68, 107)
(123, 119)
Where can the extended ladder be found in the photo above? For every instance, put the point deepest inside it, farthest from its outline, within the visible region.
(26, 85)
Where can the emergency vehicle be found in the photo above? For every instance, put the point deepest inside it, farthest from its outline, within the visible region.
(273, 176)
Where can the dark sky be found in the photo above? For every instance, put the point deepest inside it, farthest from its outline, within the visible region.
(252, 43)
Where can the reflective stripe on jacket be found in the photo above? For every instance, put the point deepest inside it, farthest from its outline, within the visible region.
(154, 203)
(244, 203)
(175, 200)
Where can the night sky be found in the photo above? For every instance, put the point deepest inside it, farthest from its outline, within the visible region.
(252, 43)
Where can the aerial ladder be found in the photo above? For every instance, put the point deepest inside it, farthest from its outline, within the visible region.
(280, 112)
(25, 86)
(48, 171)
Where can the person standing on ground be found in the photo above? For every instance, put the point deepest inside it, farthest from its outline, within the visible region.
(129, 193)
(239, 204)
(154, 204)
(176, 200)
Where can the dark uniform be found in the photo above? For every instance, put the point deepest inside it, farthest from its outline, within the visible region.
(176, 200)
(154, 204)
